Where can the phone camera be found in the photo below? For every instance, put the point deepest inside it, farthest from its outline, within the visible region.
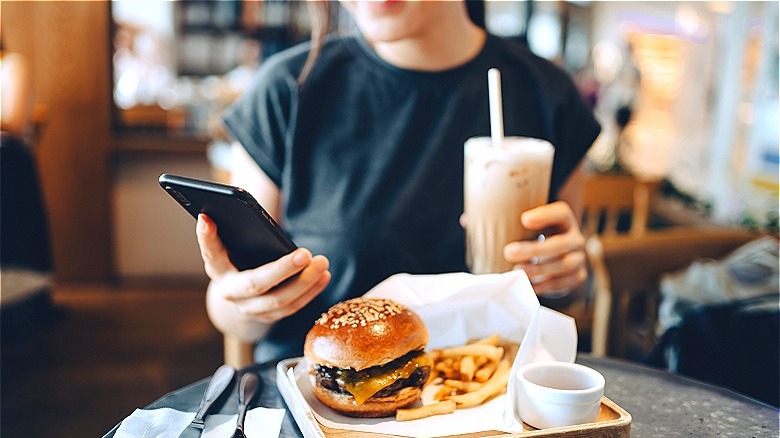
(178, 196)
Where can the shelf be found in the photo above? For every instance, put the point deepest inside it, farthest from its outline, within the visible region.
(158, 142)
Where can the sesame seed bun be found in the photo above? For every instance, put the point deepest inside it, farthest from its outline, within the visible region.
(367, 357)
(364, 332)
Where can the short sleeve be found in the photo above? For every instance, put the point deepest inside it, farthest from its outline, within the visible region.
(261, 119)
(568, 121)
(575, 129)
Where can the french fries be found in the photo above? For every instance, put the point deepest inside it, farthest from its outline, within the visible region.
(496, 385)
(490, 351)
(467, 368)
(463, 376)
(484, 373)
(462, 386)
(490, 340)
(438, 408)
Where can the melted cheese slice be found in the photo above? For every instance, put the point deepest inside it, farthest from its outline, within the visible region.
(363, 389)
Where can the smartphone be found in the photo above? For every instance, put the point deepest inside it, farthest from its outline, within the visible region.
(250, 235)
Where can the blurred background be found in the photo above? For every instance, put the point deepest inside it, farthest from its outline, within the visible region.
(122, 91)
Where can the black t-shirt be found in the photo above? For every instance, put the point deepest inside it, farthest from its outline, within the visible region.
(369, 156)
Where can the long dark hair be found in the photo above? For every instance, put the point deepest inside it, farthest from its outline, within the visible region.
(320, 13)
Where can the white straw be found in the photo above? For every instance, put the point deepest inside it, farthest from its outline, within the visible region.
(496, 110)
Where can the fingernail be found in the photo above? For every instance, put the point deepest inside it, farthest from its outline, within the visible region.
(201, 223)
(300, 258)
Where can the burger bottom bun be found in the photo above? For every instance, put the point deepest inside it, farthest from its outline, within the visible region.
(371, 408)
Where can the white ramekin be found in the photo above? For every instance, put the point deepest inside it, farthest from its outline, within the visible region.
(557, 394)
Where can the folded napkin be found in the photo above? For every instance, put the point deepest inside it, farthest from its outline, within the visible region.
(166, 422)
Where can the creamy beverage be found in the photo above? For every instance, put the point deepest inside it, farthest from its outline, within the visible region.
(500, 183)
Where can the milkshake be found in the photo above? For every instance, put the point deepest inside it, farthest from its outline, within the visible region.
(500, 183)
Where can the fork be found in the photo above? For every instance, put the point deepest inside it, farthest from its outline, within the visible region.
(249, 386)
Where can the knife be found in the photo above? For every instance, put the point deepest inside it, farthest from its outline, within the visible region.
(218, 383)
(249, 386)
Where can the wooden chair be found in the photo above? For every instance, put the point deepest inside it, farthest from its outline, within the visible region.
(626, 269)
(607, 197)
(595, 314)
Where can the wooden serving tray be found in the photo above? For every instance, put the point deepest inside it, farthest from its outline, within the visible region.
(613, 421)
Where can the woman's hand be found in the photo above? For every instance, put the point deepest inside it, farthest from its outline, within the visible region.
(557, 262)
(244, 303)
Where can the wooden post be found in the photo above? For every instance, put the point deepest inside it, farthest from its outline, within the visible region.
(70, 72)
(238, 353)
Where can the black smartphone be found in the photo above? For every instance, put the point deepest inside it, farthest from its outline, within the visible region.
(250, 235)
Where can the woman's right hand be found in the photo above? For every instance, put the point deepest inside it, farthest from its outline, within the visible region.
(245, 303)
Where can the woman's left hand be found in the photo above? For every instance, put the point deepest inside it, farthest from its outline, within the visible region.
(557, 262)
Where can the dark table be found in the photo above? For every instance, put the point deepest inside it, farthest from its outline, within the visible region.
(661, 404)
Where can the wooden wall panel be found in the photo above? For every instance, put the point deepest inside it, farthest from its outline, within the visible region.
(68, 44)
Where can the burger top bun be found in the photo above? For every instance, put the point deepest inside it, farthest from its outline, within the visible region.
(364, 332)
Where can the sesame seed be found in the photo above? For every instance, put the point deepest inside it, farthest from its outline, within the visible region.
(360, 311)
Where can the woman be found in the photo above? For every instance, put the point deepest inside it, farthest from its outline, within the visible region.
(360, 156)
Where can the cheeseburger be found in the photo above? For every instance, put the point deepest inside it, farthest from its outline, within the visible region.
(368, 357)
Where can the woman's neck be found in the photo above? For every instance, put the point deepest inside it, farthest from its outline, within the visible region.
(451, 41)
